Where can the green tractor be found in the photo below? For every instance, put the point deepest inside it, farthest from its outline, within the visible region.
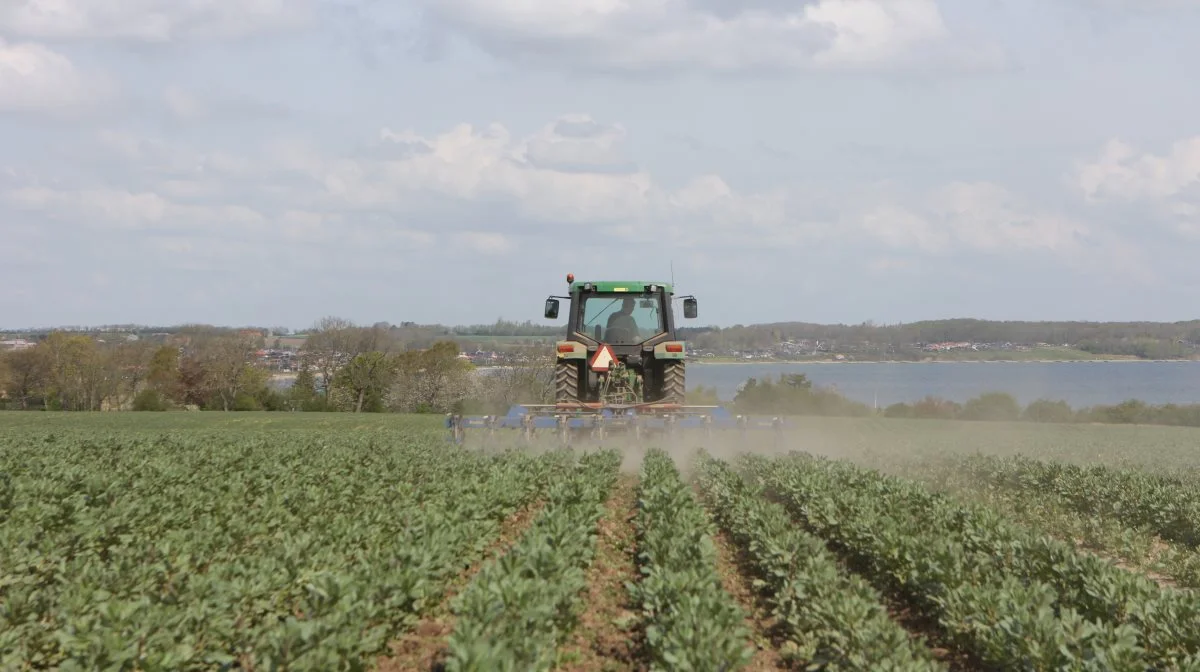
(621, 347)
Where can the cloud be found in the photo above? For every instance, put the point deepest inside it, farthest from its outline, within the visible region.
(484, 198)
(150, 21)
(1166, 187)
(713, 35)
(488, 191)
(1121, 173)
(34, 78)
(988, 218)
(187, 106)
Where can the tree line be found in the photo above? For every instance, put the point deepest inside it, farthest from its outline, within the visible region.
(1148, 340)
(1153, 340)
(794, 394)
(352, 368)
(343, 367)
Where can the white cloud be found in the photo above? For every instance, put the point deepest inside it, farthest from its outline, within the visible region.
(986, 218)
(1122, 173)
(151, 21)
(34, 78)
(672, 34)
(978, 216)
(398, 192)
(1165, 187)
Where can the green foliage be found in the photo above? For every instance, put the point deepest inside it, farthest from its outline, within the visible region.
(1014, 599)
(793, 394)
(1167, 506)
(704, 396)
(149, 399)
(1045, 410)
(691, 622)
(831, 620)
(518, 609)
(1000, 406)
(304, 550)
(504, 327)
(991, 406)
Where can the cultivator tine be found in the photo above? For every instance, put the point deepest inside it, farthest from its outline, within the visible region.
(454, 425)
(598, 423)
(564, 430)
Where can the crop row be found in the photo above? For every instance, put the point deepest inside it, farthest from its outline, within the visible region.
(1165, 505)
(517, 610)
(832, 620)
(188, 552)
(691, 621)
(1002, 595)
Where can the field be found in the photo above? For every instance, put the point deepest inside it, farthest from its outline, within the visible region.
(188, 541)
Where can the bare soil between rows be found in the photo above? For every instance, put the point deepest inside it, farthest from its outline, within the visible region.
(607, 636)
(425, 646)
(738, 580)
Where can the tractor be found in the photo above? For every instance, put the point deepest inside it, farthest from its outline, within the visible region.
(620, 368)
(621, 346)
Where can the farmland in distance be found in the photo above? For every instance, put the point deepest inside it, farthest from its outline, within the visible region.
(209, 541)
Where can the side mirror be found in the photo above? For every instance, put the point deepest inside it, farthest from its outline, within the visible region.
(551, 309)
(689, 308)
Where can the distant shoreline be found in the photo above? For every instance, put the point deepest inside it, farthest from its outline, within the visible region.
(727, 362)
(280, 375)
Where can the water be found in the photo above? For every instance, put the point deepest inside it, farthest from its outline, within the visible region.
(1077, 383)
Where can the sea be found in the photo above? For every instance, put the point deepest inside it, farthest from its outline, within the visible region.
(880, 384)
(1080, 384)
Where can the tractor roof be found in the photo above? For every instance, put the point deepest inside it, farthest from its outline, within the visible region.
(620, 285)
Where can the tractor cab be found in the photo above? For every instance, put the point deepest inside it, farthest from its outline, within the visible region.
(631, 323)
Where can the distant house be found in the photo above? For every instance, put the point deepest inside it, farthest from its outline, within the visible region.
(291, 342)
(16, 344)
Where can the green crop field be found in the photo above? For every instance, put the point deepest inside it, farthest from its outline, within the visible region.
(276, 541)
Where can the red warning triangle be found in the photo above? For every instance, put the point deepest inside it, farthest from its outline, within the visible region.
(603, 359)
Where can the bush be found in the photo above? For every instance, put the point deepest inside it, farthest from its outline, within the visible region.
(1044, 410)
(992, 406)
(149, 400)
(936, 408)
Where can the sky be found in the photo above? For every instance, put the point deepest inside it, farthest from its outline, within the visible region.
(272, 162)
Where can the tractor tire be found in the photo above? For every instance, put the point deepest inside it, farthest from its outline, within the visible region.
(673, 389)
(566, 382)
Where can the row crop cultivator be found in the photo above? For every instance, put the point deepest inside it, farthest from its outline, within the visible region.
(619, 369)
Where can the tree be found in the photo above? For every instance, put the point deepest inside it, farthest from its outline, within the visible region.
(936, 407)
(131, 366)
(702, 396)
(991, 406)
(303, 393)
(28, 375)
(5, 380)
(228, 371)
(164, 374)
(431, 380)
(328, 348)
(367, 376)
(1044, 410)
(529, 382)
(77, 373)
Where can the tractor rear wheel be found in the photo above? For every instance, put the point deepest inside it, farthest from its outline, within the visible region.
(566, 382)
(673, 389)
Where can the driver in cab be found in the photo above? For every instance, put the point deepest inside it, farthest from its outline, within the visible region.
(621, 326)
